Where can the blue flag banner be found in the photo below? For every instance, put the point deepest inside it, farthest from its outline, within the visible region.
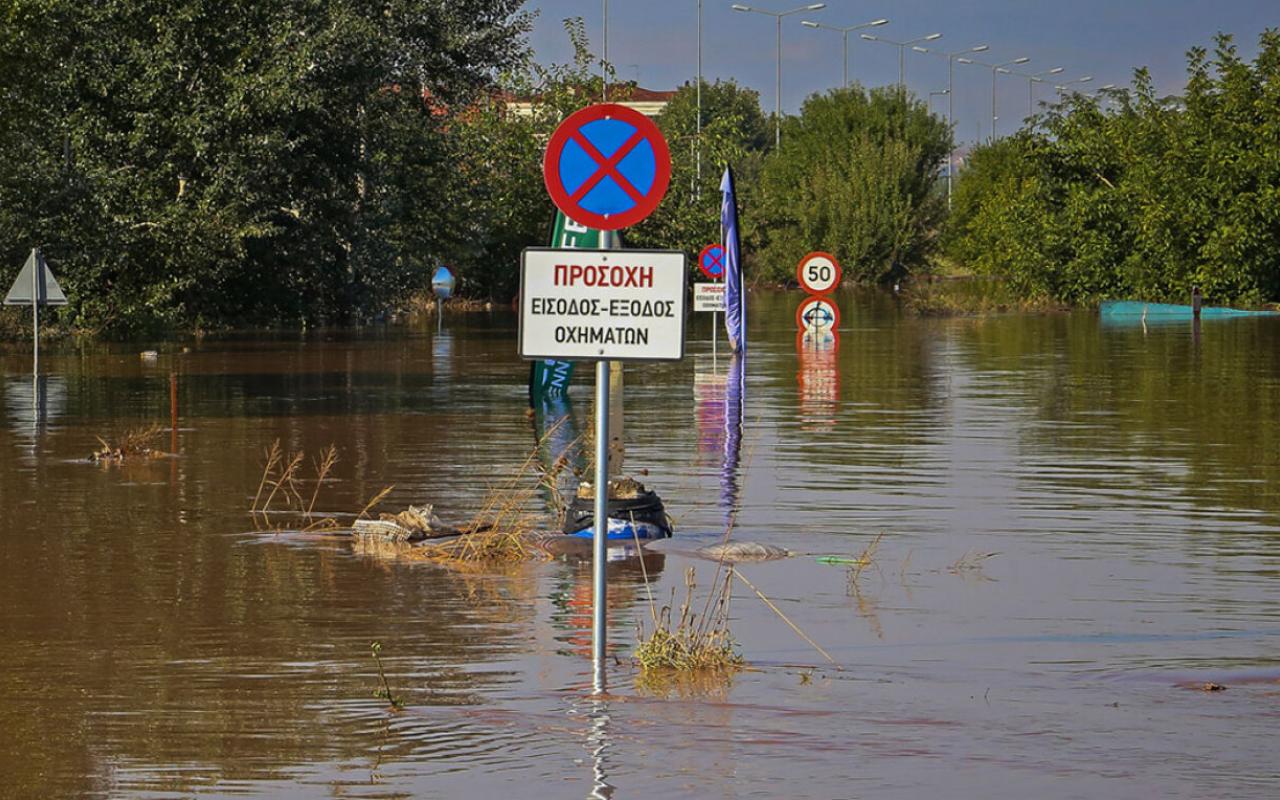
(735, 308)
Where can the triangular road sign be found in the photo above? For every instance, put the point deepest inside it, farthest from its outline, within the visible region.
(35, 275)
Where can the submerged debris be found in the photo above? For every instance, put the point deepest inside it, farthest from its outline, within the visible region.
(733, 552)
(413, 524)
(134, 445)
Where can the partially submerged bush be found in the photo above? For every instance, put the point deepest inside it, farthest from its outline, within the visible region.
(689, 642)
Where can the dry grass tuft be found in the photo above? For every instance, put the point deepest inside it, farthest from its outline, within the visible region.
(133, 445)
(971, 565)
(281, 488)
(867, 558)
(503, 530)
(687, 643)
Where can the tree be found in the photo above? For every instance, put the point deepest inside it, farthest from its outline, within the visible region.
(195, 163)
(734, 132)
(853, 176)
(500, 203)
(1146, 199)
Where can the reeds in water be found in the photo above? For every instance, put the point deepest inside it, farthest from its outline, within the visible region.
(282, 486)
(135, 444)
(684, 642)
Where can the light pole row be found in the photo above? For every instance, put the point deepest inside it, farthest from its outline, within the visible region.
(777, 16)
(844, 32)
(959, 56)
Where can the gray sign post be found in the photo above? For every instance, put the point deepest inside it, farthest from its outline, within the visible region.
(35, 286)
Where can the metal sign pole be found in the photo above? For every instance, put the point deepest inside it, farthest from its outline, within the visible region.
(35, 316)
(599, 554)
(599, 581)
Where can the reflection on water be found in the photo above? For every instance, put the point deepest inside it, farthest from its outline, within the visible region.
(35, 402)
(1129, 480)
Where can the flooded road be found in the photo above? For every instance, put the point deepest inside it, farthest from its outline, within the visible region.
(1127, 482)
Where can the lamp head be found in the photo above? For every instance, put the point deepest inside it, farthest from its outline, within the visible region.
(869, 37)
(740, 7)
(816, 7)
(933, 36)
(809, 24)
(879, 22)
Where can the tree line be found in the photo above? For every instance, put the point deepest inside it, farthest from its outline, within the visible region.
(192, 164)
(1133, 195)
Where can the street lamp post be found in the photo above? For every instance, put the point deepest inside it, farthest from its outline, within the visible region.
(902, 49)
(778, 15)
(604, 58)
(697, 191)
(844, 32)
(995, 70)
(1062, 87)
(1032, 80)
(951, 68)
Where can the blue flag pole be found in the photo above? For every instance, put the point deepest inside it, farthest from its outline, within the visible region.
(735, 316)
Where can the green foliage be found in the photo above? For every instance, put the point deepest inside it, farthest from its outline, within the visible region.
(734, 132)
(500, 203)
(193, 162)
(853, 177)
(1146, 199)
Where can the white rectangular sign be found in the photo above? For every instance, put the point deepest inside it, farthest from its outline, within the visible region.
(708, 297)
(619, 305)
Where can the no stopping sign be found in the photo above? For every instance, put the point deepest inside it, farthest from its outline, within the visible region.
(607, 166)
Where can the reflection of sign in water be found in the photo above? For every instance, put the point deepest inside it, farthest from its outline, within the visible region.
(708, 400)
(35, 400)
(818, 273)
(818, 379)
(708, 297)
(594, 304)
(818, 315)
(711, 261)
(607, 166)
(442, 353)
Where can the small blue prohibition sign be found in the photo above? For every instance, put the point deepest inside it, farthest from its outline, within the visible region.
(713, 261)
(607, 167)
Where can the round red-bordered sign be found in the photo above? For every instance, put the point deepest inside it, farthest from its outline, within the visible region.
(607, 166)
(711, 261)
(818, 272)
(818, 313)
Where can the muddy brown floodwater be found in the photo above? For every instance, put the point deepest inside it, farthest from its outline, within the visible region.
(153, 645)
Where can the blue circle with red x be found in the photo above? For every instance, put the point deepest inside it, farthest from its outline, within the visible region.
(607, 166)
(711, 261)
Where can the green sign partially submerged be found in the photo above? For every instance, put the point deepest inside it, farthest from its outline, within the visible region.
(550, 378)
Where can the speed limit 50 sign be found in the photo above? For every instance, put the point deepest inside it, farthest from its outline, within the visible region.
(818, 272)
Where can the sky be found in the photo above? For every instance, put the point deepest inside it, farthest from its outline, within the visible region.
(654, 42)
